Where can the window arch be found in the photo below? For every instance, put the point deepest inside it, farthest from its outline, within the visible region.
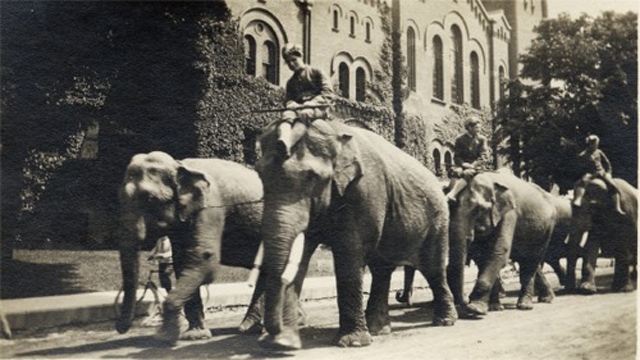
(269, 62)
(343, 79)
(411, 59)
(438, 69)
(360, 84)
(261, 48)
(475, 80)
(437, 161)
(249, 55)
(457, 94)
(501, 84)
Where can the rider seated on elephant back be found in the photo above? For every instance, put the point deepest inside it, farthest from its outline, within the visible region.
(308, 97)
(596, 165)
(470, 153)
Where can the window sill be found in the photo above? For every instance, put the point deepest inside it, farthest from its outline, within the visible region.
(438, 101)
(335, 30)
(353, 36)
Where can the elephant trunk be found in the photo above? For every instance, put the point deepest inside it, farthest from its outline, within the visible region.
(129, 264)
(283, 224)
(460, 236)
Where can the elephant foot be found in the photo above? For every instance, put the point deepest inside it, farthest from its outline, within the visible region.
(250, 326)
(404, 297)
(355, 339)
(548, 299)
(587, 288)
(286, 340)
(445, 315)
(169, 332)
(196, 334)
(626, 288)
(525, 303)
(477, 308)
(496, 306)
(378, 326)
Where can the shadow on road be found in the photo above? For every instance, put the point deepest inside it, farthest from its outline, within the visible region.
(22, 279)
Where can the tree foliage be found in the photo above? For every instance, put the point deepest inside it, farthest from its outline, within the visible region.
(584, 74)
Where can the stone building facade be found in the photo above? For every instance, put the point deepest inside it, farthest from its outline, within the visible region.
(456, 52)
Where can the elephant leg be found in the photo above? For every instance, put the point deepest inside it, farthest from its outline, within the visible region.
(377, 313)
(494, 299)
(488, 272)
(404, 296)
(559, 270)
(185, 295)
(433, 267)
(349, 269)
(589, 261)
(621, 277)
(543, 288)
(252, 322)
(528, 268)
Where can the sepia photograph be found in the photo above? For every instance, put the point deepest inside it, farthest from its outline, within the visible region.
(319, 179)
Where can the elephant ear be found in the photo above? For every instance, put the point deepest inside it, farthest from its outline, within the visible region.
(347, 166)
(192, 187)
(503, 202)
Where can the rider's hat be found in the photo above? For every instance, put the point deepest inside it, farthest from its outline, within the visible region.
(592, 139)
(291, 50)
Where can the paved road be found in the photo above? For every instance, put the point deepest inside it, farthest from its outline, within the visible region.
(601, 326)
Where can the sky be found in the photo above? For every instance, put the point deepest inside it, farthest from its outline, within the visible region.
(591, 7)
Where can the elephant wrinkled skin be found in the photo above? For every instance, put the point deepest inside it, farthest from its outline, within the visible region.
(506, 217)
(211, 210)
(373, 204)
(614, 233)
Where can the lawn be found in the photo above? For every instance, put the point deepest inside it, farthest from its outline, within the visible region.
(59, 272)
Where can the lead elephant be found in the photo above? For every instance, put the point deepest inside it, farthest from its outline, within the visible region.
(210, 209)
(511, 218)
(371, 203)
(614, 233)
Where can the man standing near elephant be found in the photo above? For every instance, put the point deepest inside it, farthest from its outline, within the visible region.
(308, 96)
(163, 255)
(470, 151)
(597, 165)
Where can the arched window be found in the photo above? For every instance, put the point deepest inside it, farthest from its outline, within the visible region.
(269, 62)
(438, 69)
(411, 59)
(437, 162)
(352, 26)
(343, 79)
(501, 84)
(360, 84)
(456, 63)
(367, 32)
(475, 80)
(335, 19)
(249, 55)
(448, 161)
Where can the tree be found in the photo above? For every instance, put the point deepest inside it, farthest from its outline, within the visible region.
(584, 74)
(131, 66)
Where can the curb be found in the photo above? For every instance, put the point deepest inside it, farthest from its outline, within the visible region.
(51, 311)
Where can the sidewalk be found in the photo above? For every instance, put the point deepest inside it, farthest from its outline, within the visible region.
(50, 311)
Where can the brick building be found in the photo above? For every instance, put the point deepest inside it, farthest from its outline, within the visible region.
(455, 51)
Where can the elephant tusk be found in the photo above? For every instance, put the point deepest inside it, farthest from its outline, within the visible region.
(257, 263)
(295, 257)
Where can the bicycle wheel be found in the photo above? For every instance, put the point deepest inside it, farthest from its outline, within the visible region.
(155, 307)
(154, 312)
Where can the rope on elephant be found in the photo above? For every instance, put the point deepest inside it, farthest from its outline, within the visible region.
(250, 202)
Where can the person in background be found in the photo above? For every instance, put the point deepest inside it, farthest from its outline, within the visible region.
(163, 255)
(596, 165)
(470, 150)
(308, 97)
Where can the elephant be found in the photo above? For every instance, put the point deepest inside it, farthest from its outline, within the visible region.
(556, 250)
(614, 233)
(211, 210)
(371, 203)
(506, 217)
